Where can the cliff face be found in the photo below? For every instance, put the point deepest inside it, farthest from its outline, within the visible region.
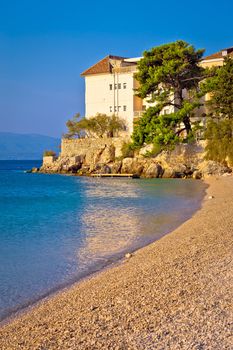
(104, 156)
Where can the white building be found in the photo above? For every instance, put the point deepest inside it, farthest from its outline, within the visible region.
(110, 87)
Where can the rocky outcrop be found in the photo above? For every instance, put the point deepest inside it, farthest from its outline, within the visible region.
(103, 156)
(153, 170)
(210, 168)
(127, 165)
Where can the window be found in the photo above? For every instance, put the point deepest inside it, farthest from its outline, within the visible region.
(119, 107)
(166, 111)
(115, 109)
(110, 109)
(124, 108)
(115, 86)
(110, 86)
(124, 85)
(119, 85)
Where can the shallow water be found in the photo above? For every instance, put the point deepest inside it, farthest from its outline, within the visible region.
(55, 229)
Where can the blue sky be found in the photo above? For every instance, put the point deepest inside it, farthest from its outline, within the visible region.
(46, 44)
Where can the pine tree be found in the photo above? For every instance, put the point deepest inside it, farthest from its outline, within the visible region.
(164, 73)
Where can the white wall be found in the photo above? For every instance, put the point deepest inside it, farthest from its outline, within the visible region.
(99, 98)
(165, 110)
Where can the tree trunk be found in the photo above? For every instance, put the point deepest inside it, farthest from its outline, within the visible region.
(187, 124)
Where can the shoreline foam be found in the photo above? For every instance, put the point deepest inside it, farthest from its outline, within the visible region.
(174, 293)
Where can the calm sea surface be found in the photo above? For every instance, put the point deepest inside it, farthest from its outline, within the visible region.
(55, 229)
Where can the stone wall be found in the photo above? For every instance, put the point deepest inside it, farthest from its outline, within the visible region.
(103, 156)
(81, 147)
(84, 153)
(48, 160)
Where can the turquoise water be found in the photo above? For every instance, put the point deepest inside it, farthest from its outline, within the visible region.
(55, 229)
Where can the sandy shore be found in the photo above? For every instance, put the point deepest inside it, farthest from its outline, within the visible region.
(173, 294)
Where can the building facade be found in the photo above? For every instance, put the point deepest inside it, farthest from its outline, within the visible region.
(214, 60)
(110, 87)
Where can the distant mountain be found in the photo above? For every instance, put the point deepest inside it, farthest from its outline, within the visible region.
(26, 146)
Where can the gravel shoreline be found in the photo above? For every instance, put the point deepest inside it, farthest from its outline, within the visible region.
(175, 293)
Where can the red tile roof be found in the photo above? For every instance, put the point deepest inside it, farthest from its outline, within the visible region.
(219, 54)
(103, 66)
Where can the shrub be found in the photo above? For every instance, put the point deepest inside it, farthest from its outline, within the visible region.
(154, 152)
(219, 135)
(127, 150)
(48, 153)
(99, 126)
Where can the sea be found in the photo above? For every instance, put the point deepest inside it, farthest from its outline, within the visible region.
(57, 229)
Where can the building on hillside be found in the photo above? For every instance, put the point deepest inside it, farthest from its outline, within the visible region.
(214, 60)
(217, 59)
(110, 87)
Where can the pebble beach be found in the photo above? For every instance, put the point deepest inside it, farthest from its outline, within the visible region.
(175, 293)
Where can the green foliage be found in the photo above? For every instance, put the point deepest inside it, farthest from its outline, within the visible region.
(155, 128)
(99, 126)
(175, 65)
(127, 150)
(48, 153)
(163, 73)
(221, 88)
(75, 127)
(154, 152)
(197, 131)
(219, 135)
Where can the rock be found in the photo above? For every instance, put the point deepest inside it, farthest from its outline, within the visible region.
(137, 169)
(92, 157)
(189, 171)
(97, 155)
(227, 174)
(138, 165)
(145, 150)
(35, 170)
(182, 161)
(93, 307)
(127, 166)
(74, 168)
(116, 167)
(133, 166)
(128, 255)
(106, 169)
(103, 169)
(168, 173)
(197, 175)
(77, 160)
(180, 171)
(108, 155)
(49, 160)
(153, 170)
(209, 168)
(84, 171)
(210, 197)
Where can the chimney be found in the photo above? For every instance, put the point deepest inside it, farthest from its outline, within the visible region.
(225, 52)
